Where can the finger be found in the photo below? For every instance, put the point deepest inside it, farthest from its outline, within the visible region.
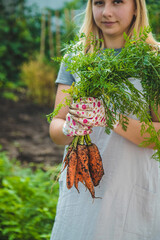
(88, 105)
(87, 99)
(91, 100)
(69, 118)
(78, 132)
(82, 106)
(83, 132)
(84, 121)
(81, 113)
(101, 121)
(72, 123)
(77, 125)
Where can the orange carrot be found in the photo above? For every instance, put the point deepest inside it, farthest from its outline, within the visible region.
(84, 165)
(82, 154)
(71, 169)
(78, 176)
(65, 162)
(95, 164)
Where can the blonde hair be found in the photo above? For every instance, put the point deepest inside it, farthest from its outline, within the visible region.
(139, 22)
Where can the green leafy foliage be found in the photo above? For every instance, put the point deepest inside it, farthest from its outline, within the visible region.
(27, 204)
(106, 74)
(38, 76)
(19, 35)
(153, 7)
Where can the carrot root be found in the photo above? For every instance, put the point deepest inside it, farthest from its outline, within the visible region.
(95, 164)
(71, 169)
(82, 154)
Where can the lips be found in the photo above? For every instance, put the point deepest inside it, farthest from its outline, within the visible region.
(108, 24)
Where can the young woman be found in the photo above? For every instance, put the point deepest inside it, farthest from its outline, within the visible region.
(129, 208)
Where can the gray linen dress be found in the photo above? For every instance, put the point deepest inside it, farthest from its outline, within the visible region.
(129, 208)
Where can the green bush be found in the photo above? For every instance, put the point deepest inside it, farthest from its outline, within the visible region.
(38, 75)
(20, 38)
(27, 204)
(154, 16)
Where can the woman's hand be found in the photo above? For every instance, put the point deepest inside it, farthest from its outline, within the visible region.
(73, 128)
(84, 115)
(89, 112)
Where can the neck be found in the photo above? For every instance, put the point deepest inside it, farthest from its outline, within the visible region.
(113, 42)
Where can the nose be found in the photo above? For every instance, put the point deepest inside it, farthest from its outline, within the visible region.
(107, 10)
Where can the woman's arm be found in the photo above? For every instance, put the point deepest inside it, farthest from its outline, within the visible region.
(57, 122)
(154, 116)
(134, 127)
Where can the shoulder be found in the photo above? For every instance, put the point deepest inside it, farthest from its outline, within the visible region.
(64, 75)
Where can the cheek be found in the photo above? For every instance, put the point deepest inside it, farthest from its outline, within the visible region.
(96, 14)
(129, 12)
(129, 19)
(126, 18)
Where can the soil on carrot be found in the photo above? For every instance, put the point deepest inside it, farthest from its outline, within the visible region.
(24, 132)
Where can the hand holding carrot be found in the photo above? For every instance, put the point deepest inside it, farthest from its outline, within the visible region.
(83, 160)
(89, 112)
(73, 128)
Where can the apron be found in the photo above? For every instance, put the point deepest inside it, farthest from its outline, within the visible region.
(129, 208)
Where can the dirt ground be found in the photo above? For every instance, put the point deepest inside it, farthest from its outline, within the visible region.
(24, 132)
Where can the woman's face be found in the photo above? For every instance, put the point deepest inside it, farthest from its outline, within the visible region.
(113, 17)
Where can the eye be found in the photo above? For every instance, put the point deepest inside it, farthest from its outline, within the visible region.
(118, 1)
(98, 3)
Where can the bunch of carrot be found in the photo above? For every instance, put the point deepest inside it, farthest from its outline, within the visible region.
(84, 164)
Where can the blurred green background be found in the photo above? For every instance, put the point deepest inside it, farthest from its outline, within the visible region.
(29, 38)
